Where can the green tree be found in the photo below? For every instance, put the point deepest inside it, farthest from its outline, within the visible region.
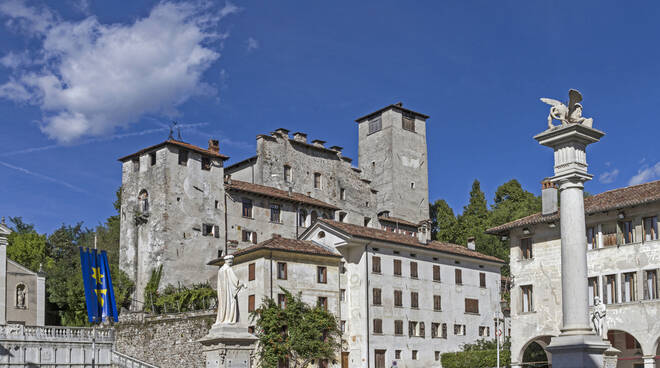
(26, 246)
(444, 223)
(297, 332)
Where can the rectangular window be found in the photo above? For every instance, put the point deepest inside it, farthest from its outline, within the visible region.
(436, 273)
(378, 326)
(443, 332)
(342, 295)
(152, 158)
(610, 291)
(251, 275)
(183, 157)
(435, 328)
(414, 355)
(651, 228)
(397, 354)
(527, 299)
(342, 326)
(375, 125)
(651, 284)
(206, 163)
(342, 193)
(408, 121)
(317, 180)
(136, 164)
(594, 290)
(322, 301)
(247, 207)
(592, 237)
(472, 306)
(375, 264)
(275, 213)
(398, 298)
(628, 287)
(459, 330)
(484, 331)
(626, 232)
(421, 329)
(376, 296)
(526, 248)
(281, 271)
(249, 236)
(281, 300)
(398, 327)
(397, 267)
(482, 279)
(413, 270)
(437, 356)
(251, 303)
(412, 328)
(609, 234)
(414, 299)
(287, 173)
(207, 229)
(458, 276)
(437, 302)
(322, 275)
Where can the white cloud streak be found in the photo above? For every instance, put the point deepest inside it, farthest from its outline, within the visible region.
(43, 177)
(608, 176)
(646, 173)
(252, 44)
(96, 140)
(94, 77)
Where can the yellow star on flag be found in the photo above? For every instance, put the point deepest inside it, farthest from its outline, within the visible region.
(97, 275)
(99, 294)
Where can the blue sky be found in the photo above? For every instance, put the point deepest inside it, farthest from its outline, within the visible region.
(85, 82)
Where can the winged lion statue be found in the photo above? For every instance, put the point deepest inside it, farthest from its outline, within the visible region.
(570, 113)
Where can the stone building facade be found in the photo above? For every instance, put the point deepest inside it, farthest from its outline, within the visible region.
(623, 258)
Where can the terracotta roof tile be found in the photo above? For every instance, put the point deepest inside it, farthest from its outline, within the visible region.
(289, 245)
(607, 201)
(243, 186)
(377, 234)
(172, 142)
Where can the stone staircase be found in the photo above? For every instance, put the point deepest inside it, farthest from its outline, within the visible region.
(120, 360)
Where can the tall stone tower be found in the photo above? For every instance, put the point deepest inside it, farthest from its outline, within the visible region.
(172, 213)
(393, 155)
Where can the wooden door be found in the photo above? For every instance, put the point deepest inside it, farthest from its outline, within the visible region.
(344, 359)
(379, 358)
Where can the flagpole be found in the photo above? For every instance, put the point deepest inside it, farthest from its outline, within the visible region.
(94, 326)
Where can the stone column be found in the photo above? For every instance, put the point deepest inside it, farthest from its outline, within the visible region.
(577, 345)
(649, 361)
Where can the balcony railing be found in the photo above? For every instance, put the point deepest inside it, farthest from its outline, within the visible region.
(52, 333)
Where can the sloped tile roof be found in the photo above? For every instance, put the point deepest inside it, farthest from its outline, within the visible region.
(377, 234)
(243, 186)
(395, 220)
(289, 245)
(615, 199)
(173, 142)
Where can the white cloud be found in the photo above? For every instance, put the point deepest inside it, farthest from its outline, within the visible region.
(43, 177)
(229, 9)
(252, 44)
(97, 77)
(608, 176)
(646, 173)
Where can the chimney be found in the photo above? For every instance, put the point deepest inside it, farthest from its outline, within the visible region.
(399, 104)
(337, 148)
(549, 199)
(318, 143)
(300, 137)
(284, 133)
(214, 145)
(423, 235)
(471, 243)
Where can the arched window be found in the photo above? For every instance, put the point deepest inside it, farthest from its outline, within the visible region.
(314, 216)
(143, 200)
(21, 296)
(302, 218)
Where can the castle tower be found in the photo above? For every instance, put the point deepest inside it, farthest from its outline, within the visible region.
(172, 214)
(393, 155)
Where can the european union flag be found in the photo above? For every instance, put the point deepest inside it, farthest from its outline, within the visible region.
(99, 295)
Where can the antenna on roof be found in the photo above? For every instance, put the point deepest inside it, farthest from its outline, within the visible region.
(171, 136)
(178, 134)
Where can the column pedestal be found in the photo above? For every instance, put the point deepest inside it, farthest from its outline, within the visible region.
(578, 351)
(228, 346)
(649, 362)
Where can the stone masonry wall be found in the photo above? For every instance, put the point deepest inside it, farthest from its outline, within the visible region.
(165, 340)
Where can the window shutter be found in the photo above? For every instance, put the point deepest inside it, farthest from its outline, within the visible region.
(254, 237)
(251, 272)
(436, 273)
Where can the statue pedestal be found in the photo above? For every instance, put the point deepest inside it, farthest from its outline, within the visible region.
(229, 346)
(578, 351)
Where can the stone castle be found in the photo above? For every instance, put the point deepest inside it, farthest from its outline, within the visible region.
(181, 206)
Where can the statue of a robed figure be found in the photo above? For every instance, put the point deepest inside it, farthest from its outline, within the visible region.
(228, 287)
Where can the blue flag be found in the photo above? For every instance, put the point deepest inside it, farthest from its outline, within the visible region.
(99, 294)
